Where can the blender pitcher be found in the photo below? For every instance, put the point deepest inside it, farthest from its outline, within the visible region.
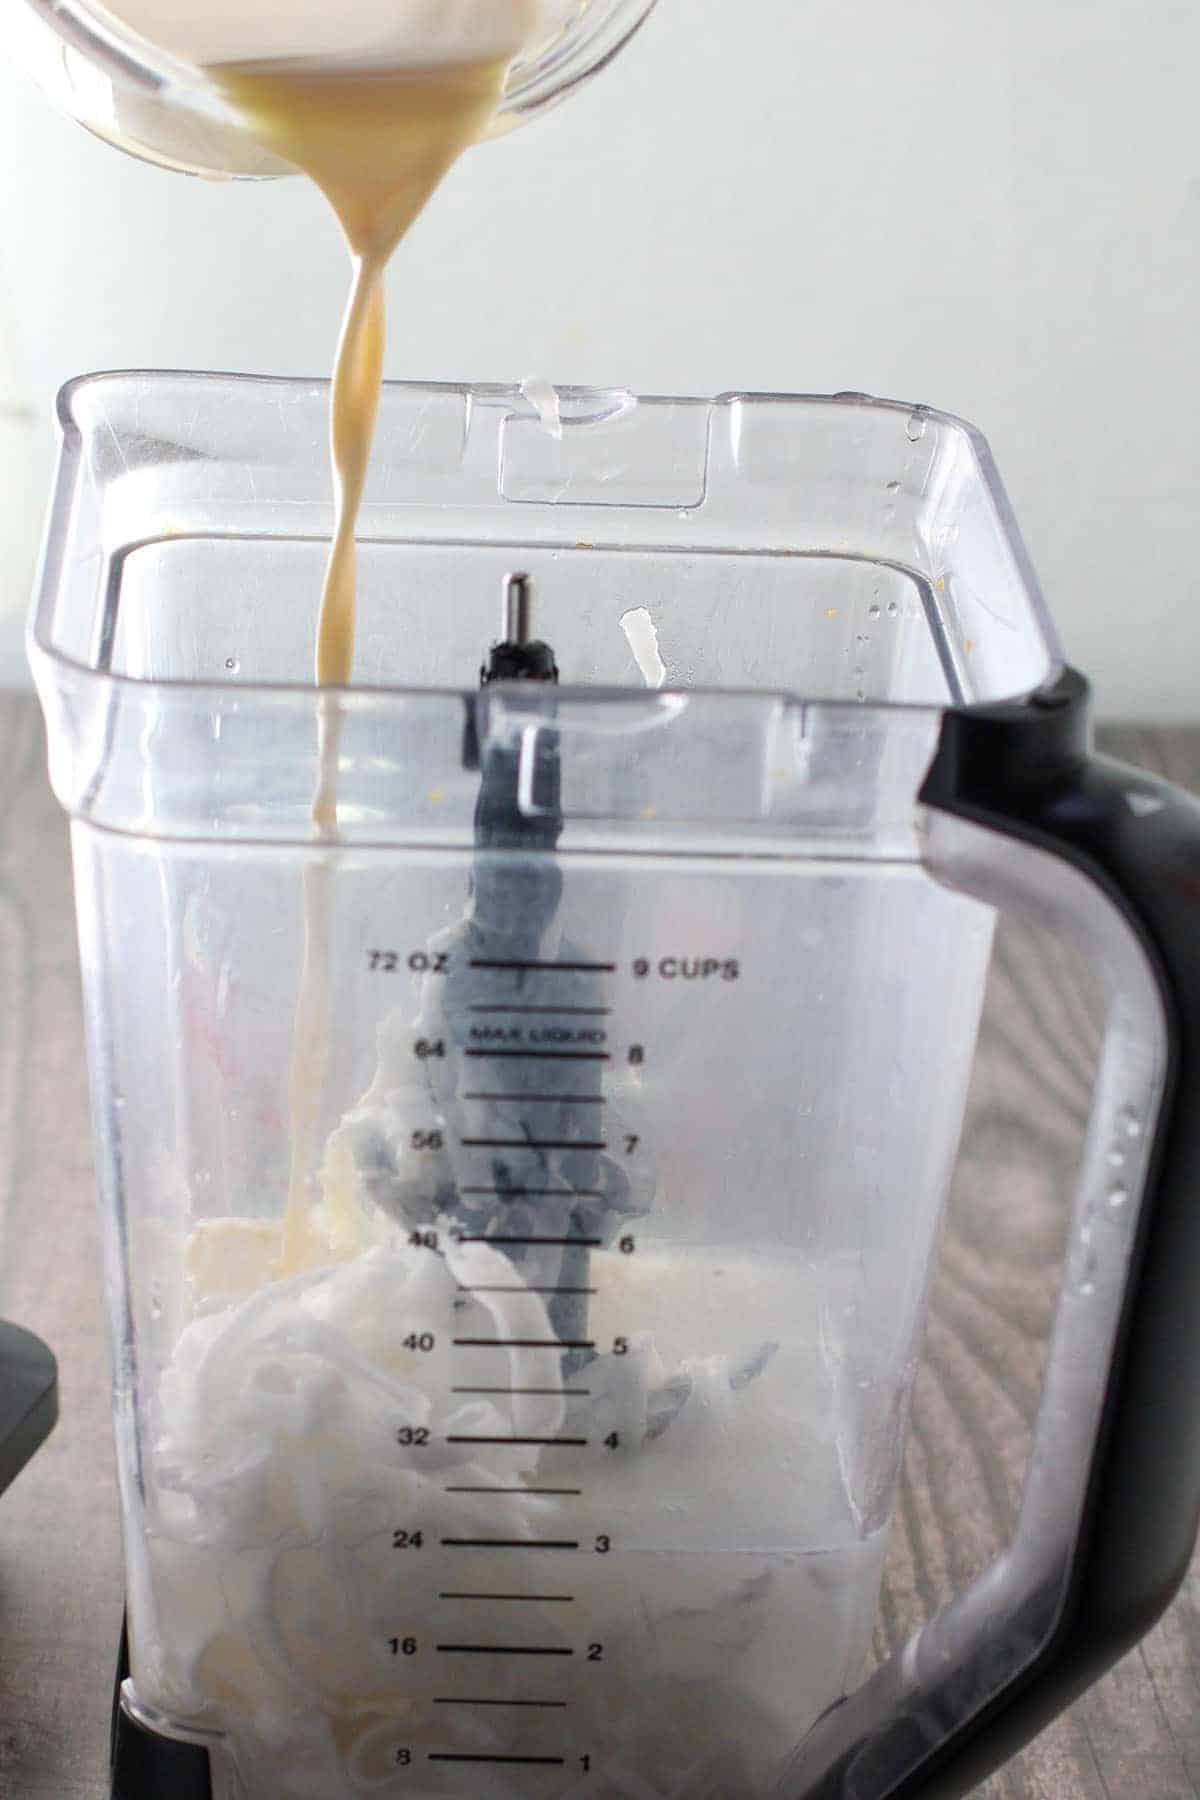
(520, 1202)
(135, 72)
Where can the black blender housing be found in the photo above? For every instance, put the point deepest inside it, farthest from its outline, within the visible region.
(28, 1398)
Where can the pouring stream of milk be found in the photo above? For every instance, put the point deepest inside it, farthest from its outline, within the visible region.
(377, 142)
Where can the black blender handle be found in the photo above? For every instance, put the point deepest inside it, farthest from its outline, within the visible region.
(1024, 771)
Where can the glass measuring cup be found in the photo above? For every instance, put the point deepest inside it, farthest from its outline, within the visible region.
(137, 95)
(555, 1457)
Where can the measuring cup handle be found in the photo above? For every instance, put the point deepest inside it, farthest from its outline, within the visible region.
(1019, 812)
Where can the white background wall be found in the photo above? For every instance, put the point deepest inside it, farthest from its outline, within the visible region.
(993, 208)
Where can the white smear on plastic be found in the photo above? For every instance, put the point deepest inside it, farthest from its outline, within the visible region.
(642, 637)
(543, 397)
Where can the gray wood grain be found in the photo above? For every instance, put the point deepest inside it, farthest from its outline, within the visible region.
(60, 1580)
(1136, 1736)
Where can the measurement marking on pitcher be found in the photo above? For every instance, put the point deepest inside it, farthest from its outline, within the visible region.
(542, 1055)
(556, 1493)
(446, 1756)
(544, 1393)
(504, 1650)
(526, 1343)
(586, 1243)
(551, 968)
(470, 1700)
(509, 1543)
(474, 1143)
(570, 1443)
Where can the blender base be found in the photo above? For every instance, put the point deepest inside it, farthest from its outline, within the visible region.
(145, 1765)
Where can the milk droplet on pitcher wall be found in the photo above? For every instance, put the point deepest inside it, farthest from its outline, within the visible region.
(543, 397)
(642, 638)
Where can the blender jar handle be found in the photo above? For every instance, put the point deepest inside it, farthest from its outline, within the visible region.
(1019, 813)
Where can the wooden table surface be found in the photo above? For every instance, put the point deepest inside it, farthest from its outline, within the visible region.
(1136, 1736)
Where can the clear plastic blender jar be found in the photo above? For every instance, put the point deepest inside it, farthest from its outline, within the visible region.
(522, 1415)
